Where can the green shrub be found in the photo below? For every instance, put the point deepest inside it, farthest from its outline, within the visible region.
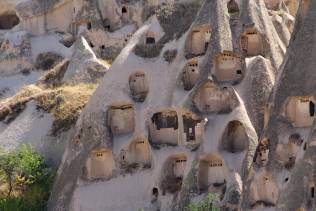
(165, 10)
(30, 166)
(11, 203)
(28, 179)
(209, 203)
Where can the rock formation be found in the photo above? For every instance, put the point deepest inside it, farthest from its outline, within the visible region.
(228, 139)
(290, 129)
(194, 98)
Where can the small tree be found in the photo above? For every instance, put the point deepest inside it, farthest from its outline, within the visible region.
(8, 166)
(165, 10)
(24, 170)
(30, 166)
(22, 167)
(209, 203)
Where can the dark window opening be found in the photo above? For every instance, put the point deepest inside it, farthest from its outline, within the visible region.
(232, 7)
(286, 179)
(84, 170)
(206, 46)
(189, 125)
(91, 44)
(107, 27)
(169, 120)
(312, 192)
(150, 40)
(311, 108)
(155, 192)
(8, 21)
(107, 24)
(305, 146)
(102, 46)
(124, 10)
(238, 72)
(67, 43)
(89, 26)
(123, 157)
(193, 70)
(25, 71)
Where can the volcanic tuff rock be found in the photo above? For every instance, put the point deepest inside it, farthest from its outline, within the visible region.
(193, 97)
(96, 134)
(292, 168)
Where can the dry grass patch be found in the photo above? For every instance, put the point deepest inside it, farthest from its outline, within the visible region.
(65, 103)
(11, 107)
(106, 62)
(53, 78)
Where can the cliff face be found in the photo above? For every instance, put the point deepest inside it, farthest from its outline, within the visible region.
(150, 156)
(194, 99)
(291, 160)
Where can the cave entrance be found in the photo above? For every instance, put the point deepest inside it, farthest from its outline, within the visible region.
(173, 173)
(311, 108)
(300, 110)
(211, 172)
(100, 164)
(124, 10)
(121, 118)
(228, 66)
(164, 127)
(232, 7)
(137, 153)
(199, 41)
(235, 138)
(252, 42)
(8, 20)
(139, 86)
(191, 74)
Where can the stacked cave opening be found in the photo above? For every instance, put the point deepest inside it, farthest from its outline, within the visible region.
(99, 165)
(300, 110)
(210, 98)
(121, 118)
(139, 86)
(193, 128)
(286, 153)
(235, 138)
(150, 38)
(251, 42)
(164, 127)
(261, 157)
(232, 7)
(263, 190)
(173, 172)
(229, 67)
(136, 154)
(198, 40)
(190, 74)
(212, 172)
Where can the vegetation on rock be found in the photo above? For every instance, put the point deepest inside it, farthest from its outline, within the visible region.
(25, 180)
(209, 203)
(65, 103)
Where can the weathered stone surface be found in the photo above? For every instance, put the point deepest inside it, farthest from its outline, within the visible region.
(84, 66)
(296, 78)
(194, 97)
